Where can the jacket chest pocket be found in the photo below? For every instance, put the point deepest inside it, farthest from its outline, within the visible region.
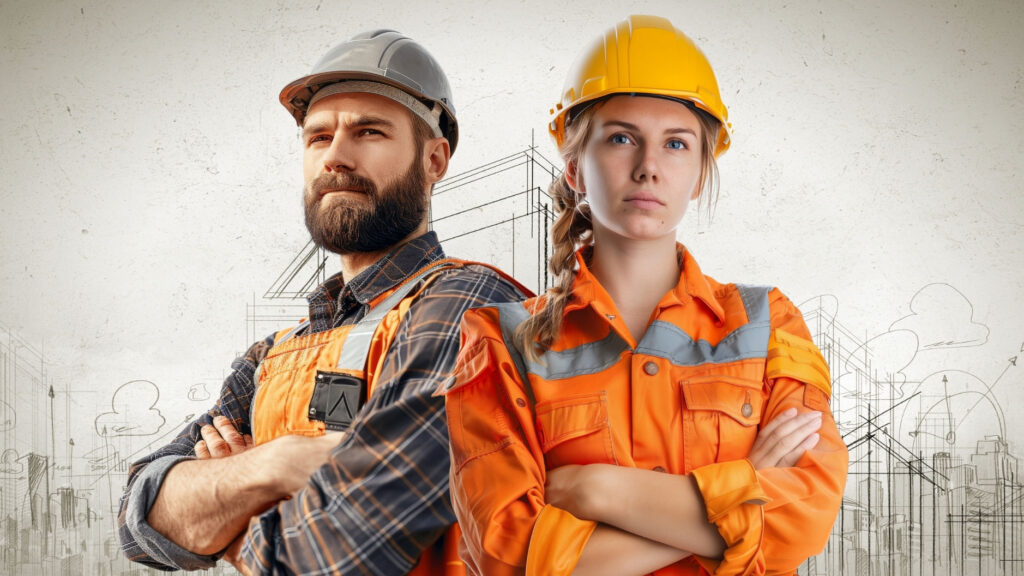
(721, 418)
(575, 430)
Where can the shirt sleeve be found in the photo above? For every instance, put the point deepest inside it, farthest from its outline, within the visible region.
(383, 496)
(498, 471)
(775, 518)
(139, 541)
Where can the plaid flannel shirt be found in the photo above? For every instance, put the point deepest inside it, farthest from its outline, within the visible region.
(383, 496)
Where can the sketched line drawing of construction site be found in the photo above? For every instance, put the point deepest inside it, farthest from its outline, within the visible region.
(934, 485)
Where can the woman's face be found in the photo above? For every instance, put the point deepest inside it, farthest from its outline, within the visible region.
(640, 167)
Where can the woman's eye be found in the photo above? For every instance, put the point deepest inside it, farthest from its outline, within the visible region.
(676, 145)
(620, 139)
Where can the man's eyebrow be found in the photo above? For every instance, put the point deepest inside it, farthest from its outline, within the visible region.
(363, 121)
(314, 128)
(367, 120)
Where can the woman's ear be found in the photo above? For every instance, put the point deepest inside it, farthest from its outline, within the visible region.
(574, 178)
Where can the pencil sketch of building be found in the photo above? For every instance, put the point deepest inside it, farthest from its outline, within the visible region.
(934, 484)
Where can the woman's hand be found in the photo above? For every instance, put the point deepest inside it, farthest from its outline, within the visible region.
(577, 489)
(782, 442)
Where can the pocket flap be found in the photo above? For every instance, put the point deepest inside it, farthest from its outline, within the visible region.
(567, 418)
(738, 398)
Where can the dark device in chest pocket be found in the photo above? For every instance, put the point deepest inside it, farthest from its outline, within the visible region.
(336, 399)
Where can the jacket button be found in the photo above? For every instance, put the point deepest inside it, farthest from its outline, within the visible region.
(659, 468)
(651, 368)
(747, 410)
(520, 402)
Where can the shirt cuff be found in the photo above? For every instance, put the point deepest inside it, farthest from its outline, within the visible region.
(140, 500)
(557, 542)
(735, 502)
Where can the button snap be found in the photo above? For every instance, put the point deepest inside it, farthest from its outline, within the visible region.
(747, 410)
(659, 468)
(651, 368)
(520, 402)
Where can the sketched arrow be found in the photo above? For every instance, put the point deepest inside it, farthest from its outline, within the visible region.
(988, 389)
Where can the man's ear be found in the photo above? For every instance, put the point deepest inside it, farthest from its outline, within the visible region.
(574, 179)
(436, 154)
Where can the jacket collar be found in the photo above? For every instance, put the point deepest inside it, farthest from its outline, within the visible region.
(692, 285)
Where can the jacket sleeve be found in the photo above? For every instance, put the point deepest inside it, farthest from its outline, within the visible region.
(497, 467)
(775, 518)
(139, 541)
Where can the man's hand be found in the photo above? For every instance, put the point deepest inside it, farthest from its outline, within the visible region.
(221, 439)
(233, 554)
(205, 503)
(782, 442)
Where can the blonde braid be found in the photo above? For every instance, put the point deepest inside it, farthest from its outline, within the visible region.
(572, 229)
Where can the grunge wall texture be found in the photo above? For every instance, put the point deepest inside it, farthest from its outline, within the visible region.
(150, 191)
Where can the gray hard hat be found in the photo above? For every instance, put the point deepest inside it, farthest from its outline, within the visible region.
(383, 56)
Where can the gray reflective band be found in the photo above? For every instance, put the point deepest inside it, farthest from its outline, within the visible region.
(668, 341)
(662, 339)
(291, 333)
(510, 316)
(357, 343)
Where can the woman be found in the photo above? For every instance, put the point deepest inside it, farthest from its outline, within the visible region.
(640, 417)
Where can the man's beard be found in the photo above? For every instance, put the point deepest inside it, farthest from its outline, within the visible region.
(346, 225)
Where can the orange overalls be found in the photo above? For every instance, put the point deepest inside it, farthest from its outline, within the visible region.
(716, 362)
(309, 384)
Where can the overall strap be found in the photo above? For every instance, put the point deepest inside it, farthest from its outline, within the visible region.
(357, 343)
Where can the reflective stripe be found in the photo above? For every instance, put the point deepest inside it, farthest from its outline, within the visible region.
(666, 340)
(291, 333)
(755, 300)
(662, 339)
(510, 316)
(357, 343)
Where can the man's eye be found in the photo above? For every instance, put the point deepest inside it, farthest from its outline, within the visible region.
(319, 138)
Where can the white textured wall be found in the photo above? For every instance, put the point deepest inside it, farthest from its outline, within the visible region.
(150, 180)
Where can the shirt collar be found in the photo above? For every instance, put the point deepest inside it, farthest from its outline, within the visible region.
(336, 296)
(692, 285)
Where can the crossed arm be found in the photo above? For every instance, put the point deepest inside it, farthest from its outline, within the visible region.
(208, 521)
(640, 512)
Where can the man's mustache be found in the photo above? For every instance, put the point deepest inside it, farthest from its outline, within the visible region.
(336, 181)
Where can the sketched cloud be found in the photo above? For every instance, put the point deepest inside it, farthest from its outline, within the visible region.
(134, 411)
(198, 392)
(9, 465)
(942, 317)
(8, 418)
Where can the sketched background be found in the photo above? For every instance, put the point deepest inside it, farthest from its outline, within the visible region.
(150, 188)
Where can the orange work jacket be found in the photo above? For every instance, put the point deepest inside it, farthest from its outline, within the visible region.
(286, 382)
(716, 362)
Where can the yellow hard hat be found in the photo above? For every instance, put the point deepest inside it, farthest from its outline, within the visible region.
(642, 55)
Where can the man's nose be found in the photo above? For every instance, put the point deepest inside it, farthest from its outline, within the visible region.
(339, 156)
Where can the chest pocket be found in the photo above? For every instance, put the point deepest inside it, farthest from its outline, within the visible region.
(721, 418)
(575, 430)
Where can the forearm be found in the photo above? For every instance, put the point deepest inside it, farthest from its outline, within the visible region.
(203, 505)
(615, 552)
(665, 508)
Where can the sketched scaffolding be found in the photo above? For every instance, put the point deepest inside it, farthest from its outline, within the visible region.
(911, 510)
(498, 212)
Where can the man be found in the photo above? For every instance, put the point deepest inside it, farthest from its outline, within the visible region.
(257, 476)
